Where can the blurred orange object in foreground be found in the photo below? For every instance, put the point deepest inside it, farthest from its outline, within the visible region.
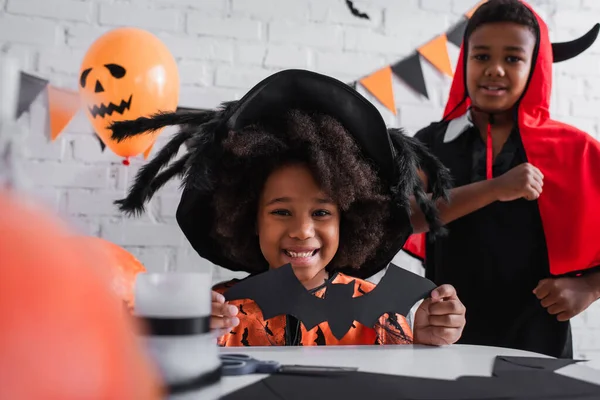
(64, 332)
(121, 266)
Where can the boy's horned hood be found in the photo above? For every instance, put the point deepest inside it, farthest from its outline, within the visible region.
(536, 98)
(568, 157)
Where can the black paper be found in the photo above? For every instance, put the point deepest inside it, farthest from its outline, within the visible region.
(536, 384)
(102, 145)
(190, 109)
(456, 34)
(30, 88)
(279, 292)
(411, 72)
(526, 385)
(355, 11)
(505, 364)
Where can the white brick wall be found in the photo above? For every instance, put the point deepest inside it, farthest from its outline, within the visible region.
(223, 47)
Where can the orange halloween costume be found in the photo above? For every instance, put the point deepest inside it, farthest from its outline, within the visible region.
(287, 331)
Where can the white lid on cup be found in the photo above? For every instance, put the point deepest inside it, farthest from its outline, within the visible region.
(173, 294)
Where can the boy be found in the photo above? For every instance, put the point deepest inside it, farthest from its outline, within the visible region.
(520, 248)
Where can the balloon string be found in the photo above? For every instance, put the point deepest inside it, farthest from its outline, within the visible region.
(126, 161)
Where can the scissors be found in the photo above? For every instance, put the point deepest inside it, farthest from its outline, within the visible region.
(243, 364)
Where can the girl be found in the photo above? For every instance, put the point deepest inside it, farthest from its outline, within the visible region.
(302, 170)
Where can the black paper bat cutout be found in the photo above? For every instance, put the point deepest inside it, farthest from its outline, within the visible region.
(355, 10)
(279, 292)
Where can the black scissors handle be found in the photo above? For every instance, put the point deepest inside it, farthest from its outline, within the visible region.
(235, 357)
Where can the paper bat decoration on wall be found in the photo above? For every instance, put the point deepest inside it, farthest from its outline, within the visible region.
(355, 10)
(279, 292)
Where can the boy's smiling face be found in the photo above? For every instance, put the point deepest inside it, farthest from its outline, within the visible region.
(498, 65)
(297, 223)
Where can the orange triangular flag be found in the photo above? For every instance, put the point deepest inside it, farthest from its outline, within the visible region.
(436, 52)
(379, 84)
(147, 152)
(63, 104)
(470, 13)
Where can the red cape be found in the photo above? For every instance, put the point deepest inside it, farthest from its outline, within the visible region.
(568, 157)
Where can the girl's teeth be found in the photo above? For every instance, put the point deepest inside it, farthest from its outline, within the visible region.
(299, 255)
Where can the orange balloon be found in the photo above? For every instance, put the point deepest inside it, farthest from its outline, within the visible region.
(121, 265)
(127, 73)
(64, 333)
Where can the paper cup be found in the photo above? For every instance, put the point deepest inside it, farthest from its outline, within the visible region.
(176, 308)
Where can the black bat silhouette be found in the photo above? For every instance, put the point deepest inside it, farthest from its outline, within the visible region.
(279, 292)
(355, 11)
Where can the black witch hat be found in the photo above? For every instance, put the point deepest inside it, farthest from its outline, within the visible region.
(395, 156)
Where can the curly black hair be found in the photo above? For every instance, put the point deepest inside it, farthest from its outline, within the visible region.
(501, 11)
(328, 150)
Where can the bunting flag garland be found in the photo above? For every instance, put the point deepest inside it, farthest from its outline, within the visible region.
(189, 109)
(470, 13)
(102, 145)
(380, 86)
(148, 151)
(436, 52)
(455, 35)
(410, 71)
(29, 89)
(62, 106)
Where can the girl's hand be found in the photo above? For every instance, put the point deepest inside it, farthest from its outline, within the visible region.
(223, 315)
(440, 319)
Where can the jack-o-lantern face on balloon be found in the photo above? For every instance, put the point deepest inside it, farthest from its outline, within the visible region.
(127, 73)
(101, 110)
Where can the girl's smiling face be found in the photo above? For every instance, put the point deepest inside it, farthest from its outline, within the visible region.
(297, 223)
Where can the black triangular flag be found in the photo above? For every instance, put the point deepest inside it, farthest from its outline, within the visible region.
(455, 35)
(189, 109)
(410, 71)
(352, 85)
(30, 87)
(102, 145)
